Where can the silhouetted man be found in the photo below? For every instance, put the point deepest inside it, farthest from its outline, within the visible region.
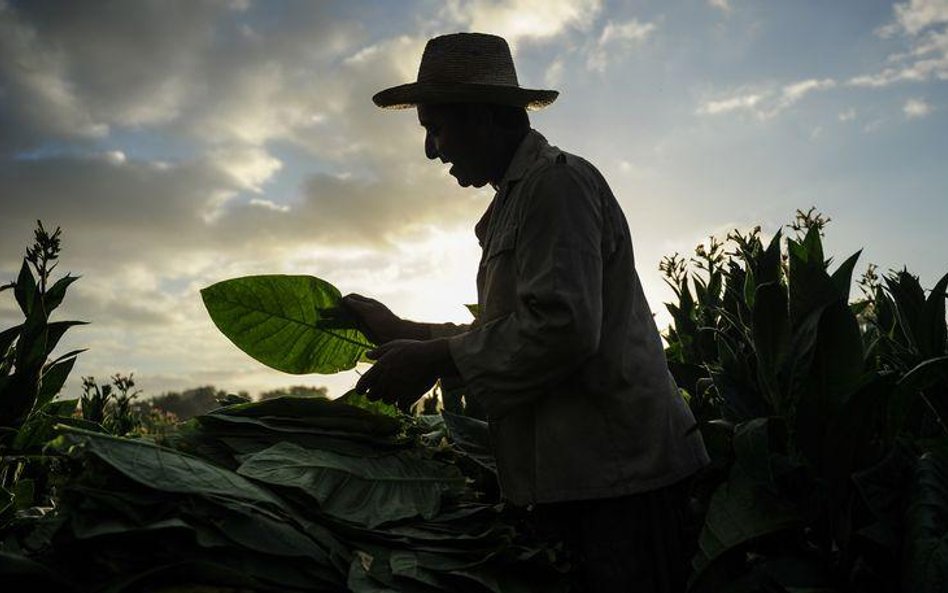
(587, 425)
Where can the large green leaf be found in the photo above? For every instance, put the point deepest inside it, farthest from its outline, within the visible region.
(740, 512)
(53, 379)
(25, 289)
(768, 264)
(843, 276)
(913, 384)
(367, 491)
(926, 569)
(935, 320)
(771, 330)
(168, 470)
(472, 437)
(57, 292)
(909, 300)
(295, 324)
(752, 449)
(834, 373)
(7, 337)
(319, 413)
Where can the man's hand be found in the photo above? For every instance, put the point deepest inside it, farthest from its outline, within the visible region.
(405, 370)
(378, 322)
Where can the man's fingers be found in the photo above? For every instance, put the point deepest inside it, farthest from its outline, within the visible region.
(385, 348)
(368, 380)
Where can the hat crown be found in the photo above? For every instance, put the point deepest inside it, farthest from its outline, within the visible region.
(469, 58)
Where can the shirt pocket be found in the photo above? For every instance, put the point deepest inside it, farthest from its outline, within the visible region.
(498, 276)
(501, 244)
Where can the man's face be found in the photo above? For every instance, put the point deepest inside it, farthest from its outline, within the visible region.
(456, 136)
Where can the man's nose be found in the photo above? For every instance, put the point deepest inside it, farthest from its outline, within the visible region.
(431, 147)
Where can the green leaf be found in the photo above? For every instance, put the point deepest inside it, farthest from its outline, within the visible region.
(366, 491)
(911, 386)
(472, 436)
(750, 289)
(882, 486)
(814, 246)
(63, 407)
(811, 288)
(52, 381)
(168, 470)
(23, 574)
(843, 276)
(834, 373)
(319, 413)
(277, 320)
(909, 300)
(25, 290)
(362, 401)
(57, 292)
(740, 512)
(926, 569)
(56, 331)
(752, 449)
(475, 310)
(934, 318)
(31, 347)
(7, 337)
(771, 332)
(768, 265)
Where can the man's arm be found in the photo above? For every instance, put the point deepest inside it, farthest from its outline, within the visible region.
(381, 326)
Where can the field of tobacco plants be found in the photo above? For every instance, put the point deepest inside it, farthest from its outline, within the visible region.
(824, 416)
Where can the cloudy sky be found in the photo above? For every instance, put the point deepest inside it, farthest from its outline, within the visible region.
(181, 143)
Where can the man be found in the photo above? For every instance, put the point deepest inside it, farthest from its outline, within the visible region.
(586, 423)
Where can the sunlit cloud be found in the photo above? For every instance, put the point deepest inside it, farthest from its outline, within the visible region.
(517, 20)
(766, 103)
(847, 115)
(916, 108)
(250, 168)
(923, 25)
(616, 39)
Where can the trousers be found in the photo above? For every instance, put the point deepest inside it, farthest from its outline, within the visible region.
(640, 543)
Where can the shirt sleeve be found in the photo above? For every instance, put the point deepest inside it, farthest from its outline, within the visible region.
(556, 322)
(446, 330)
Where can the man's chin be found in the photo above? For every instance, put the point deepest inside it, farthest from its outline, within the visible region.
(468, 183)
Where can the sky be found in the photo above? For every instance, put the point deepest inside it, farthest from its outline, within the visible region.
(180, 143)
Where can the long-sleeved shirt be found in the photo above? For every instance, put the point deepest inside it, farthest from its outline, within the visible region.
(565, 355)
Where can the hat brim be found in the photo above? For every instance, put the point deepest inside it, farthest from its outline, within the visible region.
(421, 93)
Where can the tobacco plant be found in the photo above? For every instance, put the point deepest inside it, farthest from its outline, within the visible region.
(30, 378)
(824, 419)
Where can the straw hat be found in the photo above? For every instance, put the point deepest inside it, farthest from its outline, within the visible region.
(465, 68)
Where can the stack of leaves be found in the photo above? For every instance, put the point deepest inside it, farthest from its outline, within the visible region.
(288, 494)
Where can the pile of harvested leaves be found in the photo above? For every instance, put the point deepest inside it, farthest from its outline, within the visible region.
(288, 494)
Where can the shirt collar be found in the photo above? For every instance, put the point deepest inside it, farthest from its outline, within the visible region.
(524, 157)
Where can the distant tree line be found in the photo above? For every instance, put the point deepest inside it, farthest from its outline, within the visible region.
(200, 400)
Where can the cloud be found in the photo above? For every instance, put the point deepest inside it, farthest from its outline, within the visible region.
(917, 15)
(916, 108)
(518, 20)
(554, 73)
(722, 5)
(249, 167)
(765, 103)
(923, 26)
(847, 115)
(615, 39)
(735, 103)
